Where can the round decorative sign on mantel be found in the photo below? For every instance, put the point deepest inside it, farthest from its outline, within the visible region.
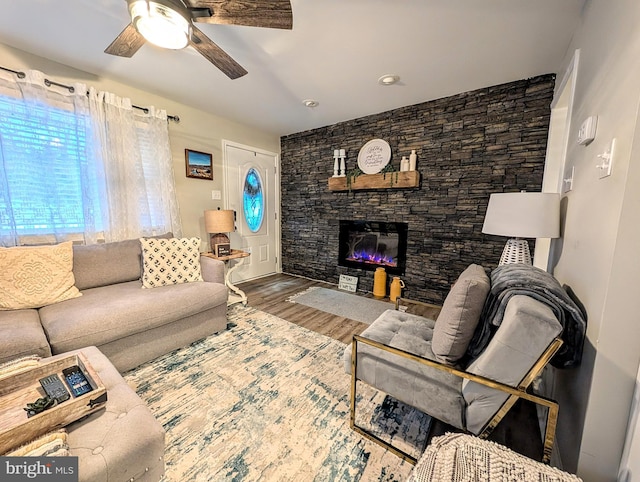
(374, 156)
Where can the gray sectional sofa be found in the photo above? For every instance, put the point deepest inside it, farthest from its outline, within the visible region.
(127, 323)
(118, 325)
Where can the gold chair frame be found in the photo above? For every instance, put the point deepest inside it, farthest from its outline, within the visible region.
(515, 393)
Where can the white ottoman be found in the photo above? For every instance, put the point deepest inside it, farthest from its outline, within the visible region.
(121, 442)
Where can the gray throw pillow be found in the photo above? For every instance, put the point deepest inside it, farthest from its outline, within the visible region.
(460, 315)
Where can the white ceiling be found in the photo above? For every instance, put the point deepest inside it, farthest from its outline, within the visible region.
(335, 53)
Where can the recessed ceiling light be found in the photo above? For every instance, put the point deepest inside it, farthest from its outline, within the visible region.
(311, 103)
(388, 79)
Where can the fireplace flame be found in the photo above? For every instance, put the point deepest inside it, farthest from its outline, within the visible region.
(372, 258)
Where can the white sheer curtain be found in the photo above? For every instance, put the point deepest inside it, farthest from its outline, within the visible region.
(159, 174)
(48, 190)
(76, 164)
(139, 184)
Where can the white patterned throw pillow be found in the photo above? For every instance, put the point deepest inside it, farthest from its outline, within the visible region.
(36, 276)
(170, 261)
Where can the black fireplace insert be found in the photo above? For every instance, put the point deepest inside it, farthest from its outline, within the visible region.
(373, 244)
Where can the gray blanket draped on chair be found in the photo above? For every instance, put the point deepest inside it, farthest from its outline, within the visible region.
(521, 279)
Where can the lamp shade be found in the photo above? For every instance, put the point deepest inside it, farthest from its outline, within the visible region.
(523, 215)
(219, 221)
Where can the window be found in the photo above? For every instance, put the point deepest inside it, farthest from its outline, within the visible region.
(253, 200)
(43, 152)
(83, 168)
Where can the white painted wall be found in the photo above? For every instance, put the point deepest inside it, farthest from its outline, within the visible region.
(630, 467)
(197, 130)
(598, 254)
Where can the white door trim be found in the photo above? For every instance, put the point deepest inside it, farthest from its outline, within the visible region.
(225, 164)
(556, 166)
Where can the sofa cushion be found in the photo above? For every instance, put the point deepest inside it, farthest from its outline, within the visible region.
(460, 314)
(170, 261)
(35, 276)
(428, 389)
(212, 269)
(527, 329)
(22, 335)
(109, 263)
(112, 312)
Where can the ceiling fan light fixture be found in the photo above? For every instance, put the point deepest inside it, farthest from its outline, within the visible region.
(160, 23)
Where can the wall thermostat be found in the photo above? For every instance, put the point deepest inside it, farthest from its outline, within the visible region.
(587, 130)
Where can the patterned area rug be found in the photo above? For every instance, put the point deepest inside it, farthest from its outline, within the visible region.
(339, 303)
(268, 400)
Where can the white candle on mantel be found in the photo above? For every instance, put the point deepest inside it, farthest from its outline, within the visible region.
(342, 154)
(336, 153)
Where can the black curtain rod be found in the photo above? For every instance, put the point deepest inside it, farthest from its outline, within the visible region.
(70, 88)
(21, 75)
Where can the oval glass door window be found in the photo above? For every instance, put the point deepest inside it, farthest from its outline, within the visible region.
(253, 200)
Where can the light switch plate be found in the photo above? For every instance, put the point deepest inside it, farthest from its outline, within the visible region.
(606, 160)
(215, 194)
(567, 179)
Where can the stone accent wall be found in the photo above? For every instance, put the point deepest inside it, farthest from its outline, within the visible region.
(468, 145)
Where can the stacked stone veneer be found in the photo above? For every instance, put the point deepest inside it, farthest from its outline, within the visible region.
(469, 146)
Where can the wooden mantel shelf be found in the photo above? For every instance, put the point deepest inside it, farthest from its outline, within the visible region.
(405, 179)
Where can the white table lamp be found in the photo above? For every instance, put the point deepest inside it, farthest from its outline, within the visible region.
(522, 215)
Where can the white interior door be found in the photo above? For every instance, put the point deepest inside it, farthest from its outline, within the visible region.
(251, 190)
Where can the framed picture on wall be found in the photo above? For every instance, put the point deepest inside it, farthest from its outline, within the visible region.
(199, 164)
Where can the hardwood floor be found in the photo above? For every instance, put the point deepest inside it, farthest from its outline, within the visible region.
(270, 295)
(519, 429)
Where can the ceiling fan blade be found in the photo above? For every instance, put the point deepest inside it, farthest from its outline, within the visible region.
(127, 43)
(216, 55)
(252, 13)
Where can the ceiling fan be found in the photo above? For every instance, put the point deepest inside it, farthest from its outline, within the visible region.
(170, 24)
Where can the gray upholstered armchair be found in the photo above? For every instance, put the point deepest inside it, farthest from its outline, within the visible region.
(421, 362)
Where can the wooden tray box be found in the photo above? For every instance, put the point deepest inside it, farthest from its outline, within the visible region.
(16, 390)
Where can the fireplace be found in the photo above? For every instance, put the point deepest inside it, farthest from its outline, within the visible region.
(373, 244)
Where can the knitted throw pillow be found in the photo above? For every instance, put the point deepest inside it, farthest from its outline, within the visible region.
(19, 365)
(52, 444)
(36, 276)
(170, 261)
